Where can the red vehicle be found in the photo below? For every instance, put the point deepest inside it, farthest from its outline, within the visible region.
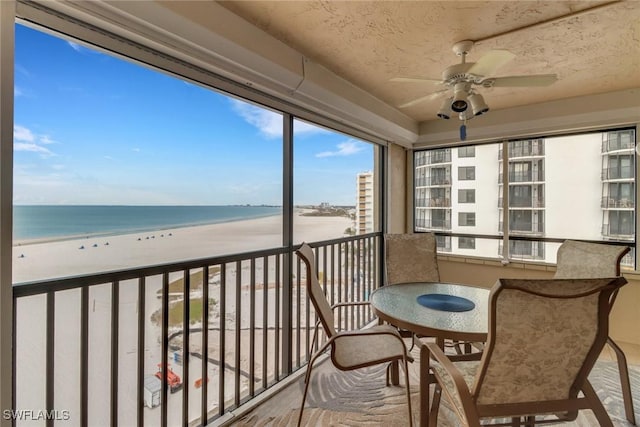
(173, 379)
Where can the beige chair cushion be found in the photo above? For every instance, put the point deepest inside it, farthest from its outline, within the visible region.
(411, 258)
(588, 260)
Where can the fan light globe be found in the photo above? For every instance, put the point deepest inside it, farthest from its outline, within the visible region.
(445, 109)
(459, 103)
(478, 106)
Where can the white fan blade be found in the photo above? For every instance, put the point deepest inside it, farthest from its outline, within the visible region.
(414, 80)
(490, 62)
(422, 99)
(521, 81)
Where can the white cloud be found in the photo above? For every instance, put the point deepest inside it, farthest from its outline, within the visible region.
(346, 148)
(26, 146)
(44, 139)
(75, 46)
(25, 140)
(21, 133)
(137, 150)
(268, 122)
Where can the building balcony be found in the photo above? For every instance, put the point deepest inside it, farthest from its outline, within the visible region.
(519, 177)
(517, 202)
(625, 232)
(433, 181)
(617, 145)
(433, 224)
(433, 203)
(523, 228)
(617, 174)
(434, 157)
(617, 203)
(523, 152)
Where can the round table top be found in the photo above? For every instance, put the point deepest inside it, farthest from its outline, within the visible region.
(398, 304)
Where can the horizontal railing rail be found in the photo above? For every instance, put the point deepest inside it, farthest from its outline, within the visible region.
(181, 343)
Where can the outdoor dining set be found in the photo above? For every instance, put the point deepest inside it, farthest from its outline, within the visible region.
(516, 354)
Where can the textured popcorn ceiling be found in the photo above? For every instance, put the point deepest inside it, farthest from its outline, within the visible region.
(370, 42)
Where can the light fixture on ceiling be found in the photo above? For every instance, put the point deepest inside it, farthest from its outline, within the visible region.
(445, 109)
(460, 93)
(478, 106)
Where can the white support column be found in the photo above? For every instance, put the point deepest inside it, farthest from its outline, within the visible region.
(7, 22)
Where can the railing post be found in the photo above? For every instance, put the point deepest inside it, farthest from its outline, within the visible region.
(287, 242)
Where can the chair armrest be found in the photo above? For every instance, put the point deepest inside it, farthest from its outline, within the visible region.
(348, 304)
(435, 352)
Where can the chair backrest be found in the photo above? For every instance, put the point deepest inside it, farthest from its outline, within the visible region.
(544, 338)
(411, 258)
(316, 294)
(588, 260)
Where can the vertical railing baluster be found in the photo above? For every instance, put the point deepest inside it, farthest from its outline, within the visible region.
(340, 256)
(50, 355)
(115, 305)
(277, 321)
(265, 321)
(204, 413)
(333, 272)
(222, 337)
(359, 285)
(352, 289)
(298, 311)
(165, 347)
(238, 317)
(186, 317)
(252, 328)
(141, 346)
(84, 356)
(14, 353)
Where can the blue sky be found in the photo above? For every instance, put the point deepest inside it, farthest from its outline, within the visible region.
(91, 128)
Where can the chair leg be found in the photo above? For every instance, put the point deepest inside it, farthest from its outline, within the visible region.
(435, 406)
(406, 382)
(307, 377)
(596, 405)
(306, 388)
(625, 383)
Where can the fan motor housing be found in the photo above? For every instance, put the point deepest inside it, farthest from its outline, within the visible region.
(458, 73)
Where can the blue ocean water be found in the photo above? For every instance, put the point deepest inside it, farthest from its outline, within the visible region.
(58, 222)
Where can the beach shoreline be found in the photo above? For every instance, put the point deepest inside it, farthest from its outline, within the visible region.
(49, 259)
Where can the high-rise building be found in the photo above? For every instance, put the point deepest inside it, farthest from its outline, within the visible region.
(461, 191)
(365, 205)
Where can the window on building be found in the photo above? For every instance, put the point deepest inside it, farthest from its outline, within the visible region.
(466, 243)
(469, 151)
(466, 219)
(466, 196)
(466, 173)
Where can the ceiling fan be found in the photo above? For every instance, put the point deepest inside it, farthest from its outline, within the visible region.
(463, 78)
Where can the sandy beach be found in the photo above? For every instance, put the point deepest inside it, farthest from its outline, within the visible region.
(66, 258)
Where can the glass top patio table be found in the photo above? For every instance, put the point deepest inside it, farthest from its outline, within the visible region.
(398, 305)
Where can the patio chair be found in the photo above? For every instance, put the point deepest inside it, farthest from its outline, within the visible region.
(591, 260)
(411, 258)
(350, 349)
(544, 338)
(414, 258)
